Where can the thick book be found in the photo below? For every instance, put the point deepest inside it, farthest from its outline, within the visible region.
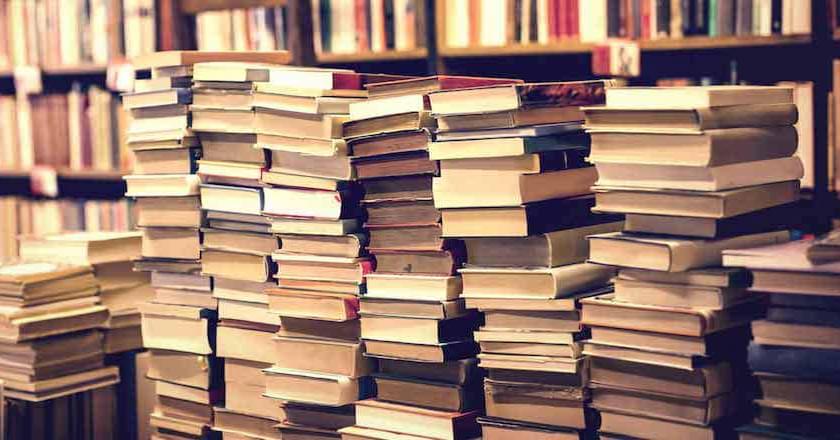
(419, 331)
(236, 265)
(428, 84)
(534, 283)
(391, 143)
(700, 411)
(421, 262)
(508, 119)
(709, 277)
(328, 306)
(394, 165)
(171, 243)
(315, 388)
(411, 420)
(493, 189)
(671, 254)
(690, 178)
(449, 351)
(605, 311)
(678, 295)
(825, 249)
(678, 203)
(764, 220)
(238, 241)
(89, 248)
(572, 143)
(169, 211)
(234, 199)
(401, 212)
(457, 372)
(806, 363)
(412, 308)
(163, 185)
(350, 245)
(406, 237)
(525, 220)
(348, 331)
(511, 97)
(703, 382)
(798, 393)
(320, 81)
(712, 148)
(797, 334)
(561, 133)
(502, 429)
(635, 426)
(551, 249)
(531, 163)
(296, 125)
(322, 356)
(428, 394)
(690, 120)
(546, 404)
(387, 124)
(815, 303)
(327, 167)
(406, 286)
(186, 369)
(196, 328)
(293, 202)
(168, 161)
(400, 188)
(785, 256)
(190, 57)
(695, 97)
(321, 268)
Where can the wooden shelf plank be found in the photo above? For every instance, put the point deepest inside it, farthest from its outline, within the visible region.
(81, 69)
(368, 57)
(576, 47)
(196, 6)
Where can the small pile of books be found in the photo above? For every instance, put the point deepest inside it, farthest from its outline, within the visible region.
(795, 350)
(696, 170)
(515, 186)
(412, 317)
(236, 241)
(121, 289)
(179, 325)
(318, 369)
(49, 342)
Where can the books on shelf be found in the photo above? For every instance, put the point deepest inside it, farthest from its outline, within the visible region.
(472, 24)
(342, 27)
(259, 28)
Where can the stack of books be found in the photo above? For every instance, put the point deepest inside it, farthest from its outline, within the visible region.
(697, 170)
(412, 317)
(50, 345)
(795, 349)
(318, 369)
(121, 289)
(237, 242)
(179, 325)
(515, 186)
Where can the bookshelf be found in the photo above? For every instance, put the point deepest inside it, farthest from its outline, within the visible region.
(373, 57)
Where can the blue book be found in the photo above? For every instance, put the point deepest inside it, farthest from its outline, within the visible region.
(806, 363)
(826, 318)
(805, 301)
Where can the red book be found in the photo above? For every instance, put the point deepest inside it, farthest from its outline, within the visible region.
(362, 26)
(553, 26)
(429, 84)
(645, 13)
(562, 19)
(574, 18)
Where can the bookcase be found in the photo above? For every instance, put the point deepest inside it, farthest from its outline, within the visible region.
(801, 49)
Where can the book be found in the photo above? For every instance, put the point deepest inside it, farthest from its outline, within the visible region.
(825, 249)
(171, 243)
(236, 265)
(798, 393)
(412, 308)
(406, 238)
(679, 203)
(710, 277)
(195, 328)
(304, 226)
(440, 263)
(186, 369)
(393, 165)
(532, 163)
(795, 334)
(376, 414)
(409, 187)
(240, 339)
(169, 161)
(313, 305)
(703, 411)
(418, 331)
(764, 220)
(235, 199)
(508, 119)
(562, 135)
(501, 190)
(390, 143)
(452, 372)
(169, 211)
(499, 429)
(319, 268)
(322, 356)
(691, 119)
(401, 212)
(551, 249)
(163, 185)
(429, 353)
(805, 363)
(531, 320)
(412, 287)
(289, 202)
(329, 167)
(544, 404)
(387, 124)
(428, 84)
(632, 425)
(712, 148)
(294, 125)
(572, 143)
(332, 418)
(703, 382)
(605, 311)
(349, 331)
(533, 283)
(695, 97)
(767, 257)
(300, 386)
(677, 295)
(237, 241)
(525, 220)
(718, 178)
(670, 254)
(511, 97)
(427, 394)
(351, 245)
(797, 284)
(190, 57)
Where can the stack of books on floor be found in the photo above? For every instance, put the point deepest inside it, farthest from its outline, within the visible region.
(696, 170)
(179, 325)
(795, 350)
(121, 289)
(412, 320)
(318, 370)
(515, 186)
(236, 242)
(50, 345)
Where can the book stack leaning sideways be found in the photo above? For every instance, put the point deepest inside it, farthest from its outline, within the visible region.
(795, 351)
(318, 369)
(236, 241)
(413, 319)
(696, 170)
(515, 186)
(179, 325)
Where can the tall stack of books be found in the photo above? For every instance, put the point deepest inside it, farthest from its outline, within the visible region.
(318, 369)
(49, 343)
(795, 349)
(412, 317)
(237, 243)
(179, 326)
(515, 186)
(121, 289)
(696, 170)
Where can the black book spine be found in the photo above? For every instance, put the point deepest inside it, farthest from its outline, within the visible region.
(663, 17)
(388, 6)
(614, 18)
(776, 17)
(687, 13)
(701, 17)
(326, 35)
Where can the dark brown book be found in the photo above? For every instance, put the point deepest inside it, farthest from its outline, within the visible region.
(625, 425)
(412, 309)
(167, 265)
(418, 330)
(518, 96)
(387, 124)
(454, 372)
(699, 411)
(449, 351)
(500, 429)
(312, 328)
(430, 84)
(427, 394)
(553, 405)
(406, 238)
(434, 263)
(537, 377)
(318, 416)
(391, 143)
(702, 382)
(401, 212)
(401, 164)
(401, 188)
(532, 320)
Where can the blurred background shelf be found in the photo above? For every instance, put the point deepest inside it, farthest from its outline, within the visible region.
(196, 6)
(373, 57)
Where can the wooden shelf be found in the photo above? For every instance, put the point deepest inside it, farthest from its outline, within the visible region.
(373, 57)
(196, 6)
(576, 47)
(84, 184)
(81, 69)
